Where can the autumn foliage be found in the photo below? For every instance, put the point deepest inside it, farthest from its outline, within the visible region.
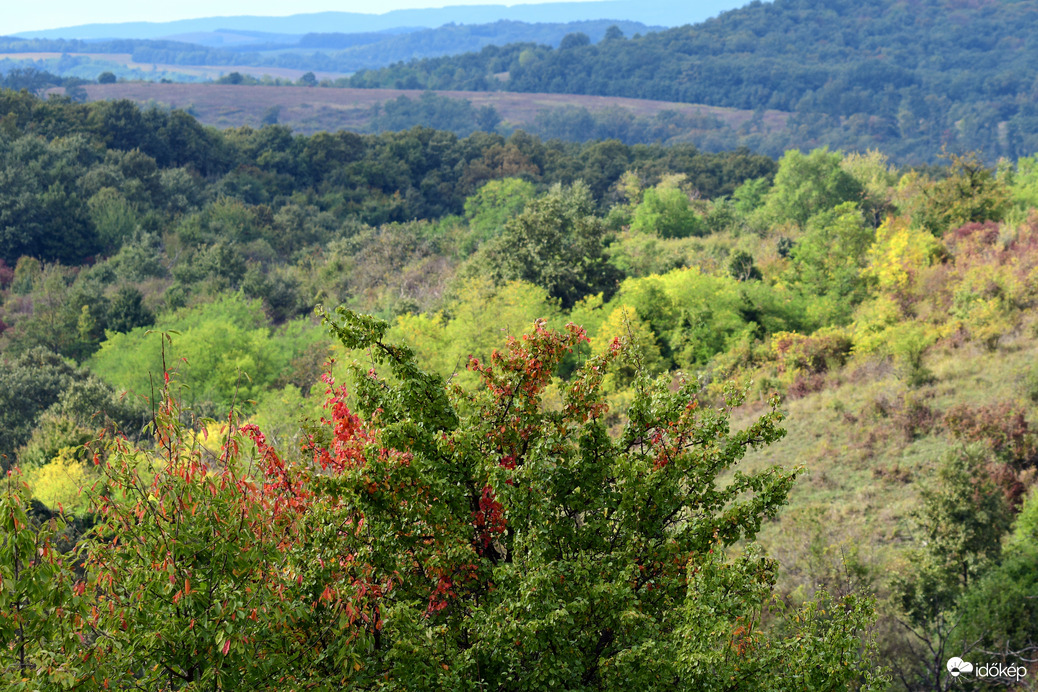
(431, 537)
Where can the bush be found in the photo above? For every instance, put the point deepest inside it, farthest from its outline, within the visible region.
(442, 538)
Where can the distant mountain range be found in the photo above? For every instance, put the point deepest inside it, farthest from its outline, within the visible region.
(276, 29)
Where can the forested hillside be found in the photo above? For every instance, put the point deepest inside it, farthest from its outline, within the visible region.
(907, 78)
(320, 52)
(591, 416)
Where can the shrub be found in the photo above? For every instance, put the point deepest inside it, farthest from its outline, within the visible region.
(442, 538)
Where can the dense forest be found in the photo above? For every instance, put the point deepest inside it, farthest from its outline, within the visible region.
(910, 79)
(905, 78)
(413, 411)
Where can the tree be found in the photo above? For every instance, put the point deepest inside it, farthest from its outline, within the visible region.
(553, 553)
(808, 184)
(494, 204)
(667, 210)
(830, 258)
(126, 311)
(29, 385)
(106, 77)
(577, 39)
(741, 267)
(37, 586)
(439, 537)
(959, 528)
(1000, 611)
(556, 242)
(970, 193)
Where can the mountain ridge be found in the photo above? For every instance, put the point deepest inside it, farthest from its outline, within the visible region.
(659, 12)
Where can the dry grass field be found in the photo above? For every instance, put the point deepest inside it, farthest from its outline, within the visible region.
(308, 110)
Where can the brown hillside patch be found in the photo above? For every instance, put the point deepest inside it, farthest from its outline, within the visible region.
(312, 109)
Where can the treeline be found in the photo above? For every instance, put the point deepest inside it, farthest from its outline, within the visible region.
(420, 174)
(908, 79)
(332, 52)
(571, 124)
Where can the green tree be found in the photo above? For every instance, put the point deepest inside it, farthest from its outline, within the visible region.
(830, 258)
(440, 537)
(494, 204)
(126, 311)
(113, 218)
(971, 192)
(557, 242)
(959, 528)
(666, 210)
(589, 542)
(808, 184)
(37, 586)
(999, 610)
(29, 384)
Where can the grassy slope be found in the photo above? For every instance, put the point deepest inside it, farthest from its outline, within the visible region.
(862, 466)
(309, 110)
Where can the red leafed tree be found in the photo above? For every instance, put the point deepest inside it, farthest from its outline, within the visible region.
(220, 571)
(437, 538)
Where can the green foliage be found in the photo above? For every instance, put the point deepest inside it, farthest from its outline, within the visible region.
(432, 110)
(113, 218)
(998, 610)
(741, 267)
(493, 205)
(449, 536)
(556, 579)
(226, 353)
(642, 254)
(750, 195)
(829, 259)
(217, 573)
(624, 327)
(806, 185)
(445, 341)
(970, 193)
(37, 585)
(725, 645)
(667, 211)
(53, 435)
(42, 213)
(557, 242)
(949, 74)
(29, 384)
(27, 273)
(959, 527)
(961, 521)
(1023, 188)
(126, 311)
(697, 315)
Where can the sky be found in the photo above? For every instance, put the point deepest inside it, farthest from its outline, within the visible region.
(26, 15)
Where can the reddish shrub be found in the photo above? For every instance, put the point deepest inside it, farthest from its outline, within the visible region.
(1002, 427)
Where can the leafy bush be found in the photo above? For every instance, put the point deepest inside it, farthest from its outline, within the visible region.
(440, 537)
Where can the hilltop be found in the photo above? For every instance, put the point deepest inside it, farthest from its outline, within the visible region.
(256, 28)
(907, 78)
